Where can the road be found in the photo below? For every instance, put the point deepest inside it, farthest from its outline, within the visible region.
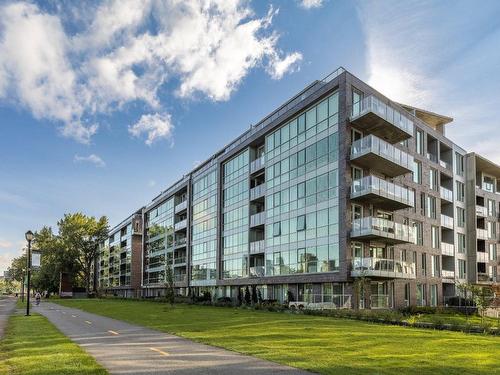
(123, 348)
(7, 306)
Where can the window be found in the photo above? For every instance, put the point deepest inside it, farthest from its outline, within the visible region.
(420, 294)
(492, 249)
(422, 204)
(434, 295)
(277, 229)
(435, 265)
(460, 192)
(461, 242)
(462, 273)
(460, 164)
(357, 211)
(492, 230)
(419, 142)
(488, 184)
(435, 237)
(431, 207)
(491, 207)
(419, 234)
(356, 135)
(423, 263)
(417, 172)
(407, 294)
(433, 179)
(301, 223)
(356, 102)
(357, 250)
(460, 217)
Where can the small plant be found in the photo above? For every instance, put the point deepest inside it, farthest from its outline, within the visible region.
(254, 295)
(240, 297)
(248, 299)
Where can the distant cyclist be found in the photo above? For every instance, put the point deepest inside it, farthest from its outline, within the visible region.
(37, 298)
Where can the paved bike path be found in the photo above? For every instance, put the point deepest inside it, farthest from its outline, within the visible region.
(124, 348)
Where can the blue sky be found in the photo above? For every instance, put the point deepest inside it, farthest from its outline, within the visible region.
(104, 105)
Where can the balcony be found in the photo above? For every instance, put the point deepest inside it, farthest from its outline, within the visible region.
(446, 165)
(380, 301)
(257, 247)
(446, 194)
(445, 274)
(180, 260)
(383, 268)
(484, 277)
(373, 153)
(383, 193)
(373, 228)
(257, 192)
(181, 278)
(481, 211)
(481, 234)
(257, 164)
(374, 116)
(258, 271)
(180, 242)
(482, 257)
(447, 249)
(181, 207)
(258, 219)
(180, 225)
(446, 221)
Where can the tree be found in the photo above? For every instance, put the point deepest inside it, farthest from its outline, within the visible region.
(482, 296)
(259, 296)
(248, 299)
(361, 284)
(169, 284)
(81, 236)
(254, 294)
(240, 297)
(17, 268)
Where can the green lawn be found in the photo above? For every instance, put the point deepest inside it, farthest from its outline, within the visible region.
(32, 345)
(324, 345)
(459, 319)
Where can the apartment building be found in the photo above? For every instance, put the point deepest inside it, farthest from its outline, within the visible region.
(339, 196)
(119, 264)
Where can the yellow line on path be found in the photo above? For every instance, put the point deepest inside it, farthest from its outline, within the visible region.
(113, 332)
(159, 351)
(88, 322)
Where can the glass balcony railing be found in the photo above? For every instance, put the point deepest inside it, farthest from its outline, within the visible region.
(446, 221)
(181, 206)
(481, 211)
(258, 271)
(382, 268)
(373, 227)
(257, 247)
(482, 257)
(446, 194)
(257, 191)
(257, 164)
(445, 274)
(180, 260)
(181, 278)
(447, 248)
(481, 234)
(374, 145)
(258, 219)
(384, 111)
(180, 241)
(446, 165)
(180, 225)
(382, 188)
(322, 301)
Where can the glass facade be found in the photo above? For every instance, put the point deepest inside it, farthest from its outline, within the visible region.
(204, 228)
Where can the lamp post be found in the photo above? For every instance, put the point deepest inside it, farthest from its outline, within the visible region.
(29, 238)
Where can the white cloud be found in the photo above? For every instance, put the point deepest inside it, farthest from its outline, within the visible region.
(92, 158)
(116, 57)
(309, 4)
(5, 244)
(157, 126)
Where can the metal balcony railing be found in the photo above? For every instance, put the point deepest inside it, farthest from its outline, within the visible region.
(257, 247)
(258, 271)
(447, 248)
(446, 194)
(446, 221)
(257, 191)
(381, 109)
(382, 148)
(383, 188)
(377, 227)
(258, 219)
(382, 268)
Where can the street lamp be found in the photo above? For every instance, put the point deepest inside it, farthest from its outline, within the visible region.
(29, 238)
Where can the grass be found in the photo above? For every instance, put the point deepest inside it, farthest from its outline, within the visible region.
(320, 344)
(459, 319)
(32, 345)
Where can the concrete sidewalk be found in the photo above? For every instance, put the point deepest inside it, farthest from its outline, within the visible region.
(7, 306)
(123, 348)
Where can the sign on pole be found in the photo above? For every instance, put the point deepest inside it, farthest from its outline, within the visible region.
(35, 259)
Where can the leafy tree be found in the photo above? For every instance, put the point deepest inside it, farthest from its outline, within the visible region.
(17, 268)
(248, 299)
(289, 296)
(361, 285)
(169, 284)
(482, 296)
(80, 236)
(254, 294)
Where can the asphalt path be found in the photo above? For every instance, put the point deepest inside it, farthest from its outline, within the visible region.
(123, 348)
(7, 306)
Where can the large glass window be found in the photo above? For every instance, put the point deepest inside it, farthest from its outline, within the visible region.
(419, 141)
(417, 172)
